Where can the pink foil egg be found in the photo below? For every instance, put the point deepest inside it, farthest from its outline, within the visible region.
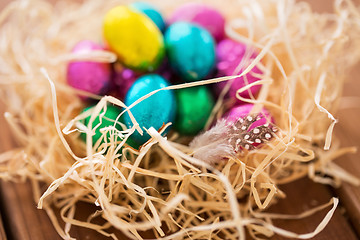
(92, 77)
(203, 15)
(229, 55)
(243, 110)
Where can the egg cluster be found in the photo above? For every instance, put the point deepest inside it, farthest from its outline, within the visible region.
(152, 54)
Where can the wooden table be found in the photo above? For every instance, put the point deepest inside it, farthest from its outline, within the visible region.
(21, 220)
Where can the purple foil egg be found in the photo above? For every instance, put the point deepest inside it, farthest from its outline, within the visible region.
(168, 73)
(123, 79)
(92, 77)
(203, 15)
(243, 110)
(229, 55)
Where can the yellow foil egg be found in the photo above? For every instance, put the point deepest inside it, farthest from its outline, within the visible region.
(136, 40)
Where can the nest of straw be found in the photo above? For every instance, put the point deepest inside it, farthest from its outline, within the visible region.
(161, 188)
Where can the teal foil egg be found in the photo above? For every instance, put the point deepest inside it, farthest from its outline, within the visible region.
(190, 49)
(155, 111)
(150, 11)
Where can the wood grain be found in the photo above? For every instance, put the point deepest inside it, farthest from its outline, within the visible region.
(305, 195)
(26, 222)
(349, 133)
(2, 230)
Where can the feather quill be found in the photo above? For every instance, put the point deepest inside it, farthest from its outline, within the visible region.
(213, 144)
(226, 139)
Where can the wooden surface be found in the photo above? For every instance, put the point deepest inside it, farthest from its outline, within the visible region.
(349, 133)
(2, 230)
(307, 195)
(21, 220)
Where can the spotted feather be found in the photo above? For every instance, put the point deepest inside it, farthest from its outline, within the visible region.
(241, 135)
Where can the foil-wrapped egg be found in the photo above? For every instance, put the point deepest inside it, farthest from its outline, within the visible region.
(232, 58)
(155, 111)
(89, 76)
(150, 11)
(241, 111)
(203, 15)
(194, 106)
(191, 50)
(134, 37)
(104, 119)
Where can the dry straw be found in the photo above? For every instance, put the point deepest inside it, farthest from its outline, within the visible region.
(162, 188)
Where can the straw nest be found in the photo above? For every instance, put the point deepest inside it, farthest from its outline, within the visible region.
(305, 57)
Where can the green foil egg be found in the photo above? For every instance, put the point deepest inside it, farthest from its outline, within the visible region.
(194, 106)
(155, 111)
(108, 119)
(190, 49)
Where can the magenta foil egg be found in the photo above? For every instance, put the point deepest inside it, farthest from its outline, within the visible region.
(89, 76)
(243, 110)
(229, 55)
(203, 15)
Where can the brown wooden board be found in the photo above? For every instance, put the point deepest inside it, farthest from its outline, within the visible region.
(23, 221)
(2, 230)
(26, 222)
(349, 133)
(306, 195)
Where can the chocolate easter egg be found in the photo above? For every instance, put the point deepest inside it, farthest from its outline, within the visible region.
(150, 11)
(231, 54)
(194, 107)
(134, 38)
(103, 120)
(155, 111)
(89, 76)
(203, 15)
(123, 79)
(190, 49)
(243, 110)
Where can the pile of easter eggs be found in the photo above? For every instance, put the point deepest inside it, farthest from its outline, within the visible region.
(152, 54)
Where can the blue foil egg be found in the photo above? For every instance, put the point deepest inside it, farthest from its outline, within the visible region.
(190, 49)
(155, 111)
(151, 12)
